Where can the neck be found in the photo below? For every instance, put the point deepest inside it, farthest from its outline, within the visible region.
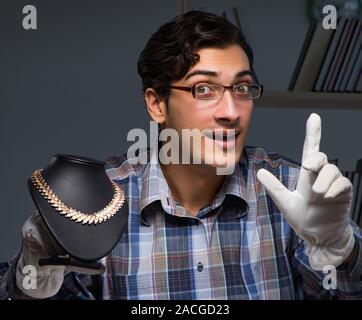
(193, 186)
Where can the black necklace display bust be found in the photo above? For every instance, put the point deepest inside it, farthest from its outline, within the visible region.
(82, 184)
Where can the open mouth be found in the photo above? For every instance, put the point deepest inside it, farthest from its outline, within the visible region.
(222, 135)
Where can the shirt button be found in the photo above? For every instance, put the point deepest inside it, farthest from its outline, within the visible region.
(200, 267)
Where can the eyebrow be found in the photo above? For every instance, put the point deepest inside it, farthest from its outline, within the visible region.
(215, 74)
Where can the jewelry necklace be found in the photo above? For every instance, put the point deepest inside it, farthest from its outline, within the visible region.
(73, 214)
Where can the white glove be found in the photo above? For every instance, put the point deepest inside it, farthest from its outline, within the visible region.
(318, 209)
(47, 280)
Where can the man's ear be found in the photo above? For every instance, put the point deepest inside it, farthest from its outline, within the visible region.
(156, 106)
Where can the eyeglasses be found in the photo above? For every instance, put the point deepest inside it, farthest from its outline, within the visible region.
(204, 91)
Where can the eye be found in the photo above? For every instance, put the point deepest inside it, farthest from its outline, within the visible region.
(241, 88)
(203, 89)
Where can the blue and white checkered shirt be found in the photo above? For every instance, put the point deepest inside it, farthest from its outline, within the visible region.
(238, 247)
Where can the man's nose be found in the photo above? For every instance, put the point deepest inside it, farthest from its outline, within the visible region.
(227, 108)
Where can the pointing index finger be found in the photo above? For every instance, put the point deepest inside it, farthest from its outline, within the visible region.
(312, 136)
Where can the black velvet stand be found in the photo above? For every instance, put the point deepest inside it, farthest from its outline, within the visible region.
(80, 183)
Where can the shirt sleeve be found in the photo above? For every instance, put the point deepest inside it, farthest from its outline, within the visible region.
(311, 284)
(7, 277)
(79, 286)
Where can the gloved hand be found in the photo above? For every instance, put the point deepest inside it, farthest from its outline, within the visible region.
(36, 244)
(318, 209)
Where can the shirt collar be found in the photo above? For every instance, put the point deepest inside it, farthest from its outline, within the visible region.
(154, 185)
(233, 192)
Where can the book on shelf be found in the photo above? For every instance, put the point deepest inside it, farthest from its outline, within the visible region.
(348, 61)
(356, 179)
(353, 64)
(339, 55)
(327, 63)
(352, 80)
(349, 176)
(357, 210)
(330, 60)
(358, 87)
(358, 204)
(302, 54)
(311, 57)
(358, 192)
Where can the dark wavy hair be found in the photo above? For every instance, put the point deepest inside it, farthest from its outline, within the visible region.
(171, 51)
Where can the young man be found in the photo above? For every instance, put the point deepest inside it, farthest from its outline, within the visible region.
(265, 231)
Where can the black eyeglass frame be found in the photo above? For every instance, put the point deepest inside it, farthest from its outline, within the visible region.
(231, 88)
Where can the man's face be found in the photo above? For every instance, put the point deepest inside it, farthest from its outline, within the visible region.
(227, 66)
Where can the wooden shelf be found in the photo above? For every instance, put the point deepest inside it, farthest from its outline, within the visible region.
(295, 99)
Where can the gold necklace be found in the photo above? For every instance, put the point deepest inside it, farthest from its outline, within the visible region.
(75, 215)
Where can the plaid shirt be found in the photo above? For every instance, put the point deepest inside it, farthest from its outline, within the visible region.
(238, 247)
